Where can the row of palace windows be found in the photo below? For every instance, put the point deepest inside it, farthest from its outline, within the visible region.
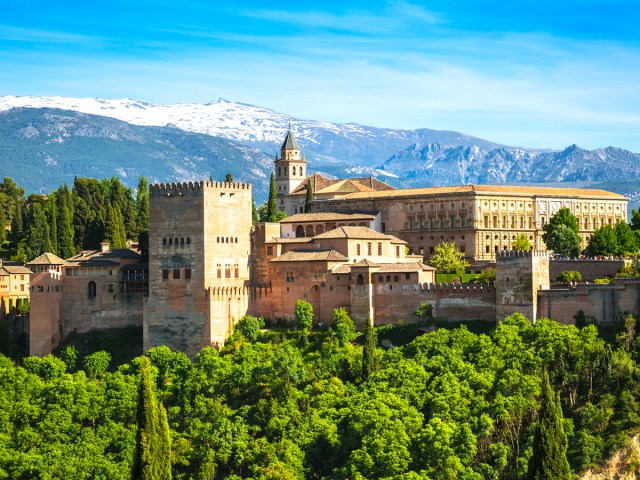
(509, 222)
(369, 249)
(176, 274)
(441, 206)
(176, 241)
(437, 223)
(40, 288)
(293, 171)
(226, 239)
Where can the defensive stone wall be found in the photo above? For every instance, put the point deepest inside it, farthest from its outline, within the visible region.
(605, 303)
(453, 301)
(590, 269)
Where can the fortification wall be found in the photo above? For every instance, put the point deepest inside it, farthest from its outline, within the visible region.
(605, 303)
(453, 301)
(590, 269)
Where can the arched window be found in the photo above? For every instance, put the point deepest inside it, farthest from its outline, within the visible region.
(217, 239)
(395, 278)
(236, 240)
(299, 231)
(226, 239)
(380, 279)
(293, 171)
(164, 241)
(188, 240)
(176, 241)
(388, 278)
(171, 241)
(181, 240)
(91, 289)
(360, 280)
(310, 232)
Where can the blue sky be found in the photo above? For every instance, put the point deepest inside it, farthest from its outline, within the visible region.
(528, 73)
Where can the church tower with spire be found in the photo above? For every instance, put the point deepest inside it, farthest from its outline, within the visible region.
(291, 167)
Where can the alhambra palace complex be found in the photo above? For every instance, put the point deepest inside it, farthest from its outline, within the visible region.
(364, 246)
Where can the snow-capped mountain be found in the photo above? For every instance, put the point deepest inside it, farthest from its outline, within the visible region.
(258, 127)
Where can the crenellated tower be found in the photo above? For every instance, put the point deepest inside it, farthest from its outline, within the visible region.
(290, 168)
(199, 249)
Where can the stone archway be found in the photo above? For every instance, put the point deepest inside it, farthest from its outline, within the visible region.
(299, 231)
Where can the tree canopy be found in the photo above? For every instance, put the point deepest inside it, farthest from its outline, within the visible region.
(561, 233)
(446, 258)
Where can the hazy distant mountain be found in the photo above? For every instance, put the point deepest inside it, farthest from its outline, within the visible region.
(42, 148)
(245, 139)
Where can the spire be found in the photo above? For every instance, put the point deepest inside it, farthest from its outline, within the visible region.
(289, 141)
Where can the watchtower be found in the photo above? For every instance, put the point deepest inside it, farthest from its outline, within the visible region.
(519, 277)
(199, 246)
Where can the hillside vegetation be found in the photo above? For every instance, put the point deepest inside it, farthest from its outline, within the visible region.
(449, 404)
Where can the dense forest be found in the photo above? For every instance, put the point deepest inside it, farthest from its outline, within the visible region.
(282, 403)
(67, 221)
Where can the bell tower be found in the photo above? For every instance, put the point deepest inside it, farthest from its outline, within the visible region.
(291, 167)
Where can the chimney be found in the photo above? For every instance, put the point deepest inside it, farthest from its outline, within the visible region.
(104, 247)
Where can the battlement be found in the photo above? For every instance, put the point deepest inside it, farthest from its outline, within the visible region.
(169, 189)
(508, 254)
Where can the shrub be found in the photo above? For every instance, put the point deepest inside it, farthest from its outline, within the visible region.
(250, 327)
(569, 276)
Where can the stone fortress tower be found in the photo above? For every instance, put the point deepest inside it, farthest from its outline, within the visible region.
(290, 168)
(199, 252)
(520, 275)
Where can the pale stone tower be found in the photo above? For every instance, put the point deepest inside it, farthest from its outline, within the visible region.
(291, 167)
(519, 277)
(199, 252)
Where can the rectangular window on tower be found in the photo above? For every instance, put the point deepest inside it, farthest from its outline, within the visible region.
(379, 249)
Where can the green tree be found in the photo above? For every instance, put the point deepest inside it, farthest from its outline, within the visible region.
(272, 203)
(369, 352)
(16, 221)
(52, 211)
(250, 327)
(627, 242)
(228, 178)
(635, 219)
(521, 243)
(446, 258)
(549, 459)
(561, 233)
(114, 228)
(254, 213)
(567, 276)
(602, 242)
(142, 204)
(152, 457)
(66, 233)
(38, 241)
(343, 326)
(424, 311)
(3, 226)
(304, 317)
(97, 363)
(309, 198)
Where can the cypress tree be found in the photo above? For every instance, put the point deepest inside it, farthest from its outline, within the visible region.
(39, 238)
(228, 178)
(309, 199)
(151, 460)
(16, 221)
(369, 353)
(52, 209)
(254, 212)
(142, 204)
(272, 205)
(65, 225)
(549, 459)
(114, 228)
(3, 227)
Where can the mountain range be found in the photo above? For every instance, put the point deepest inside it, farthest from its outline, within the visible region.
(64, 137)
